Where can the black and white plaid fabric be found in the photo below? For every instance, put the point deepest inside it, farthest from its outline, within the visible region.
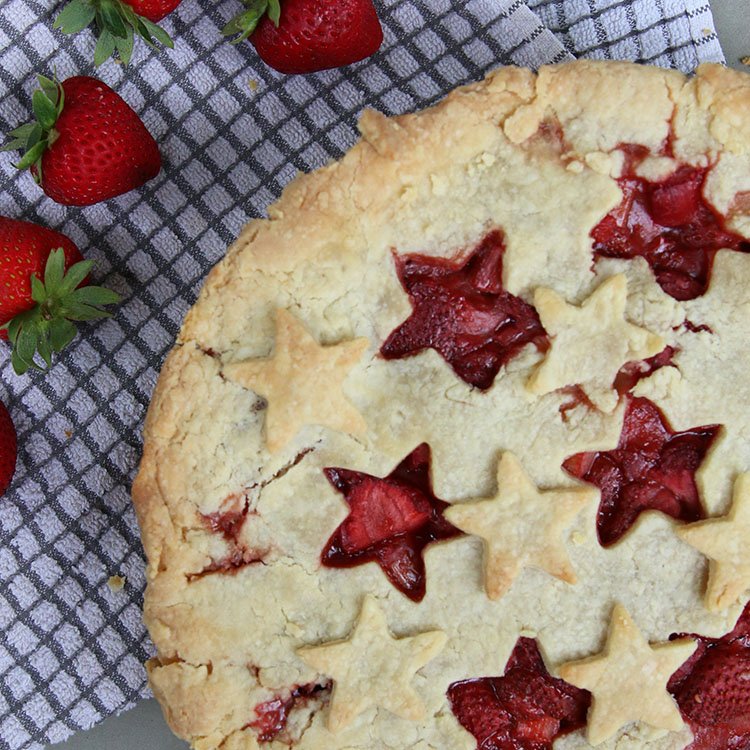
(232, 134)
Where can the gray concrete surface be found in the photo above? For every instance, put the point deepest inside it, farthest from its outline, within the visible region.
(143, 728)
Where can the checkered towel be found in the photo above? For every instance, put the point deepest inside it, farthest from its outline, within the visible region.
(232, 133)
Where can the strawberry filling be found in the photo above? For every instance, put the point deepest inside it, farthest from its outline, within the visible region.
(670, 224)
(460, 310)
(391, 520)
(273, 715)
(631, 372)
(712, 689)
(525, 709)
(652, 468)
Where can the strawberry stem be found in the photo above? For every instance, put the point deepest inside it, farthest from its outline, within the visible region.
(246, 22)
(48, 327)
(117, 27)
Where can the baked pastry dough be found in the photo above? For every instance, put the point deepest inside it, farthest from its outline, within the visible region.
(547, 273)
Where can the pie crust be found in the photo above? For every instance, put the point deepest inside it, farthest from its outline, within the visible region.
(277, 388)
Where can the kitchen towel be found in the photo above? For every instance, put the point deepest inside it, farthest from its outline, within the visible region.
(232, 133)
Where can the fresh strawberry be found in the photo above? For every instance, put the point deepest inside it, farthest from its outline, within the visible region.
(87, 145)
(118, 23)
(380, 510)
(304, 36)
(37, 315)
(8, 449)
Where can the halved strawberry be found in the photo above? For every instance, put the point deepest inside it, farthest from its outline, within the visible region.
(381, 510)
(677, 200)
(304, 36)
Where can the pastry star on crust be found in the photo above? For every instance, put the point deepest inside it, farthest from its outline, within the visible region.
(372, 668)
(628, 680)
(521, 526)
(302, 382)
(725, 542)
(590, 343)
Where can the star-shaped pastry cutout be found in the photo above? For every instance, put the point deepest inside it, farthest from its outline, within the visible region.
(713, 691)
(628, 680)
(652, 468)
(590, 343)
(372, 668)
(525, 709)
(521, 526)
(726, 542)
(302, 382)
(391, 520)
(461, 310)
(668, 223)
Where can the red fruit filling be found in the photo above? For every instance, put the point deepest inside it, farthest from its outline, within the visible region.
(668, 223)
(652, 468)
(631, 372)
(273, 715)
(712, 689)
(228, 523)
(390, 522)
(460, 310)
(525, 709)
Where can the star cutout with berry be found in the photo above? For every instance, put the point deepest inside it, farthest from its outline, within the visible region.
(590, 343)
(461, 310)
(372, 668)
(726, 542)
(302, 382)
(628, 680)
(712, 688)
(525, 709)
(521, 526)
(652, 468)
(668, 223)
(390, 522)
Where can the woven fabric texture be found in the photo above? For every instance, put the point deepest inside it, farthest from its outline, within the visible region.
(232, 133)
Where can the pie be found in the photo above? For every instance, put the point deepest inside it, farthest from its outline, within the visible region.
(453, 450)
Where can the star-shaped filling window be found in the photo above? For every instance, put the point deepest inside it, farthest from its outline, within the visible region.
(726, 542)
(668, 223)
(460, 309)
(628, 680)
(372, 668)
(652, 468)
(712, 688)
(524, 709)
(590, 343)
(302, 382)
(391, 520)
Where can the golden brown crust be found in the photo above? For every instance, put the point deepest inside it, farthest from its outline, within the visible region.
(432, 183)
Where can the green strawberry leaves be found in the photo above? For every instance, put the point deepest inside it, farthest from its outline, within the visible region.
(34, 137)
(118, 26)
(245, 23)
(61, 301)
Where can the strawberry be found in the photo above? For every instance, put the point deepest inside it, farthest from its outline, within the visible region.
(87, 144)
(118, 23)
(304, 36)
(8, 449)
(37, 315)
(379, 511)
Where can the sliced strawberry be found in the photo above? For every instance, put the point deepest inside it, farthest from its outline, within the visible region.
(652, 468)
(525, 709)
(381, 510)
(669, 224)
(392, 520)
(712, 689)
(460, 309)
